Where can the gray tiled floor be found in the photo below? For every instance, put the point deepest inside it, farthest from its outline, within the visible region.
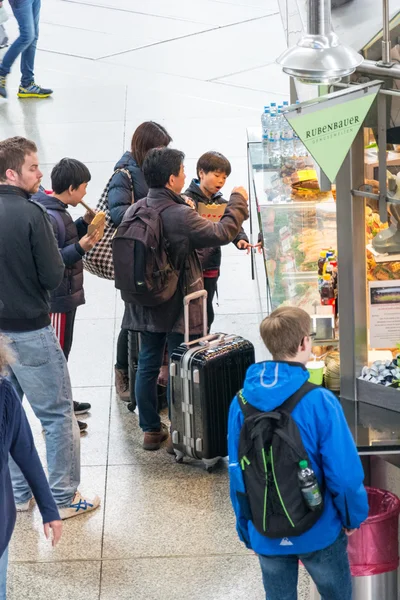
(165, 531)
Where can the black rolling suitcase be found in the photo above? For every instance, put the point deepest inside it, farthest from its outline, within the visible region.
(205, 375)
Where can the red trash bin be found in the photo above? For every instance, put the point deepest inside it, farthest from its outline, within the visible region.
(374, 548)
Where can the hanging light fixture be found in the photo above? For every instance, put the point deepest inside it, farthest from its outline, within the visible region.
(319, 57)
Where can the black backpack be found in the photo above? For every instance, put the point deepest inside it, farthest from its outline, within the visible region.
(270, 450)
(143, 270)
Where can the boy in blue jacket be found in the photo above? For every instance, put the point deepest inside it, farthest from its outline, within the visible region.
(333, 456)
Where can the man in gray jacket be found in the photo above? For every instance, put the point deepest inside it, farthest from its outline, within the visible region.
(30, 267)
(185, 232)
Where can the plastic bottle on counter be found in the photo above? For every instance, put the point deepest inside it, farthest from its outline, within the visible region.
(309, 486)
(287, 145)
(327, 291)
(274, 142)
(321, 262)
(265, 120)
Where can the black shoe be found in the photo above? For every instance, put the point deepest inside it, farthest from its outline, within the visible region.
(82, 426)
(80, 408)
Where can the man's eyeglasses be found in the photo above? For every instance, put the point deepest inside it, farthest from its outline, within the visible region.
(311, 335)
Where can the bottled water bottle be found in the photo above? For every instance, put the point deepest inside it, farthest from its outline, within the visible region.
(285, 104)
(273, 108)
(298, 146)
(265, 119)
(309, 486)
(274, 142)
(287, 145)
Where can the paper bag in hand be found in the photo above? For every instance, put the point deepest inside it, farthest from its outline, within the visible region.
(212, 212)
(98, 222)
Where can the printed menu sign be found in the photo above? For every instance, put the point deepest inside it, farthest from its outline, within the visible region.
(384, 307)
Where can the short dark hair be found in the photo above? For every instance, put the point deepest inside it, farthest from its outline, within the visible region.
(69, 172)
(213, 161)
(12, 154)
(160, 164)
(147, 136)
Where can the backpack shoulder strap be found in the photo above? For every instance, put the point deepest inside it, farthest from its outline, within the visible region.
(60, 226)
(290, 404)
(247, 409)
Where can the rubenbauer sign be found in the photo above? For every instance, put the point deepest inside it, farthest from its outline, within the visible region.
(328, 125)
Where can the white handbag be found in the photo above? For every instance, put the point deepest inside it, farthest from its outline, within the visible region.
(3, 15)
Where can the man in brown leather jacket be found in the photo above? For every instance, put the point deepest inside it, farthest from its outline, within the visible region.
(185, 232)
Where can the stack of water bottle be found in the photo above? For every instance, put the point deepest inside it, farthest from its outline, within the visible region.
(280, 141)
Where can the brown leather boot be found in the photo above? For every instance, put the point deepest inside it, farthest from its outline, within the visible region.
(122, 384)
(169, 448)
(153, 439)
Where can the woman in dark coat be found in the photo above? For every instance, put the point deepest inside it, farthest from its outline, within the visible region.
(125, 189)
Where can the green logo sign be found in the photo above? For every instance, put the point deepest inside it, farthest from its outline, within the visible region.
(328, 127)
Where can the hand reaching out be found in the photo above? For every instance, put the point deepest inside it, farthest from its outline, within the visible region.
(243, 245)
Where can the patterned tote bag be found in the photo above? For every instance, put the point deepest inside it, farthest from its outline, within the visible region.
(99, 260)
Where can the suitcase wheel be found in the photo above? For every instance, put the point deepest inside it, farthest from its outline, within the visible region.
(210, 463)
(131, 406)
(179, 457)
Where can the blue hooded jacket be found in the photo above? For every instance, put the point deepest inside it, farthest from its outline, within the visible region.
(330, 447)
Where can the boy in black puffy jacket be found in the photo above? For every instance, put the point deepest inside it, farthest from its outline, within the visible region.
(69, 180)
(213, 169)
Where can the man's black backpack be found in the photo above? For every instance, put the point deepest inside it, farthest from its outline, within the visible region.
(143, 270)
(270, 450)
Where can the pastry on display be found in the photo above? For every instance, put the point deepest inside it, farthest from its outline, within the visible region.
(381, 271)
(305, 187)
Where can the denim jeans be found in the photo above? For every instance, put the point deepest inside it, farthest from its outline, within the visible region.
(27, 13)
(329, 569)
(3, 574)
(40, 372)
(152, 346)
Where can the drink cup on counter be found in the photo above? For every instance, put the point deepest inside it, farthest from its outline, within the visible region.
(316, 370)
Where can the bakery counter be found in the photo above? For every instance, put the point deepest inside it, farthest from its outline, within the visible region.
(297, 221)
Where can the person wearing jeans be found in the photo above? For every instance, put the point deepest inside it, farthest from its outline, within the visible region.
(40, 371)
(152, 348)
(31, 267)
(331, 454)
(280, 573)
(16, 440)
(184, 232)
(27, 14)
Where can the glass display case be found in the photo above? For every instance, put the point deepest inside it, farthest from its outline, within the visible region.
(297, 222)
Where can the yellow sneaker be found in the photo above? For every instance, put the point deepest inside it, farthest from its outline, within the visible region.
(34, 91)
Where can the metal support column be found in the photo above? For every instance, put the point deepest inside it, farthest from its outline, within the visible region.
(352, 269)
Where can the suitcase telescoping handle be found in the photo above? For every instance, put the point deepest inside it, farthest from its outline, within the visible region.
(186, 301)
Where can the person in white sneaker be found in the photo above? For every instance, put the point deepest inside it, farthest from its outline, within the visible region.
(16, 439)
(32, 268)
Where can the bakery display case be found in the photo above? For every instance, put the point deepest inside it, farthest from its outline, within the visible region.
(297, 222)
